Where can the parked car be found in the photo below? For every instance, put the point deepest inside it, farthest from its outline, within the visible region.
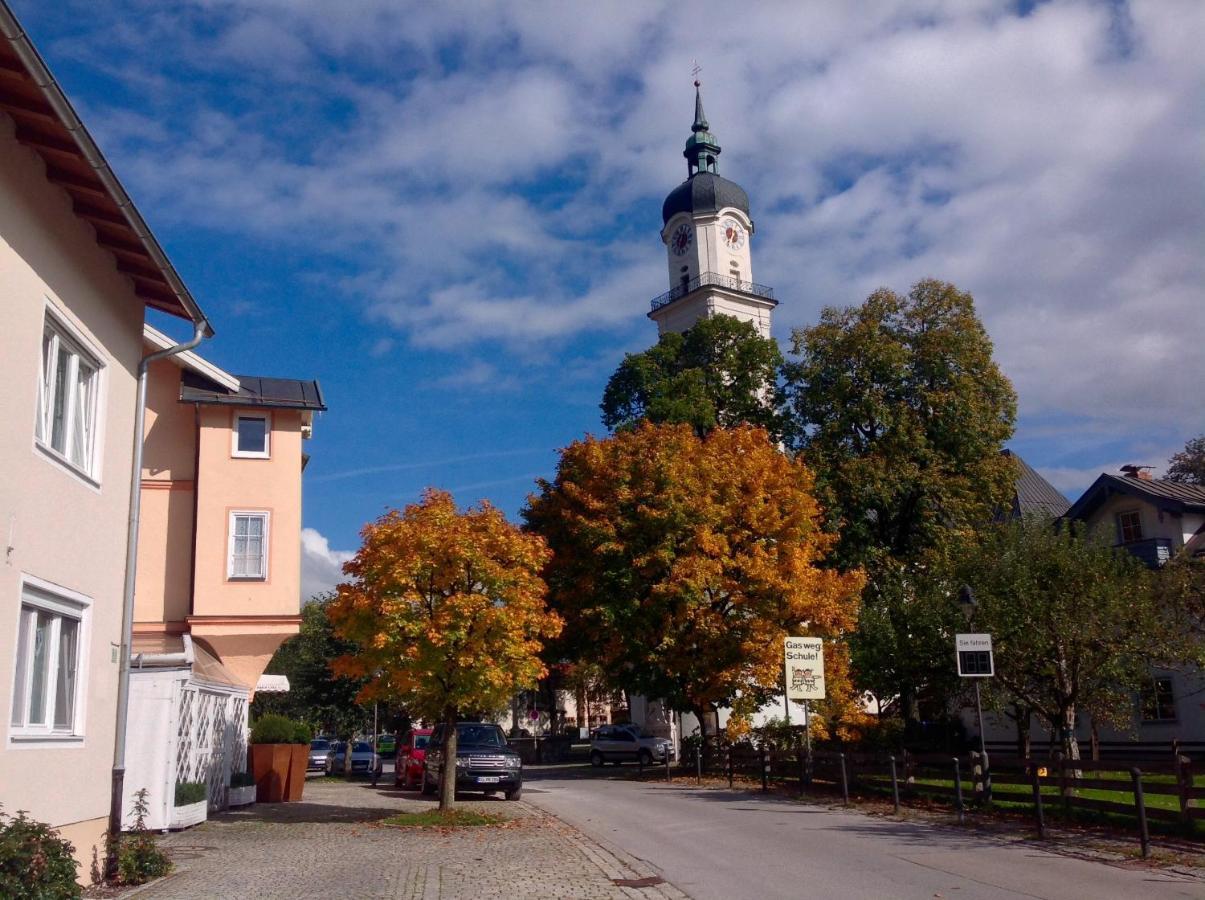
(620, 743)
(387, 745)
(318, 751)
(408, 771)
(363, 759)
(483, 761)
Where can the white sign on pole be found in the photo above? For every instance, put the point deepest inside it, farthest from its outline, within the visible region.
(805, 668)
(974, 655)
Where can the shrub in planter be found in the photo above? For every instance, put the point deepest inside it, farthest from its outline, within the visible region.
(272, 740)
(242, 789)
(34, 860)
(190, 792)
(191, 806)
(299, 760)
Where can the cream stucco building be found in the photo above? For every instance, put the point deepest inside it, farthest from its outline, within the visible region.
(78, 268)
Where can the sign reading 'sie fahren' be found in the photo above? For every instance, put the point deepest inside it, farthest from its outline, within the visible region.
(805, 668)
(974, 655)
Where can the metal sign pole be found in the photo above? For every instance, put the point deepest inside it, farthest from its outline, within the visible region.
(807, 740)
(786, 697)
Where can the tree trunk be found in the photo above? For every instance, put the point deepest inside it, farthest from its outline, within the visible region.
(1095, 741)
(701, 716)
(1070, 741)
(1023, 716)
(447, 781)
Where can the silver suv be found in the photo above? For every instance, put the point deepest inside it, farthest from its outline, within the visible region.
(616, 743)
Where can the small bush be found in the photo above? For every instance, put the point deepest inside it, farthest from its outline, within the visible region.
(190, 792)
(273, 729)
(242, 779)
(302, 733)
(139, 859)
(35, 861)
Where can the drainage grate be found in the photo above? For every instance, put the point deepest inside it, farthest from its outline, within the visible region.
(647, 881)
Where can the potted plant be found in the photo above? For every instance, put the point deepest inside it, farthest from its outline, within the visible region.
(271, 752)
(191, 804)
(242, 789)
(299, 761)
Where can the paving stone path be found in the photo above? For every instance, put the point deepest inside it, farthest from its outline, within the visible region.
(333, 844)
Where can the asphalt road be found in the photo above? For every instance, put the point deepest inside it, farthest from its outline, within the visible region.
(715, 843)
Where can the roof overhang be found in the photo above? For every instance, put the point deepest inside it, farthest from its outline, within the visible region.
(1107, 486)
(188, 359)
(47, 124)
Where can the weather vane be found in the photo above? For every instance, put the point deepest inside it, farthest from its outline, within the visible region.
(695, 70)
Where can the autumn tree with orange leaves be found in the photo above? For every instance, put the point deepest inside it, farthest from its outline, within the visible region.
(680, 563)
(448, 610)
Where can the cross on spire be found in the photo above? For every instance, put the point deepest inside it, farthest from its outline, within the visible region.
(695, 70)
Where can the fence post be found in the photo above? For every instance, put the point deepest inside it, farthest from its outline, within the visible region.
(1184, 784)
(728, 762)
(844, 780)
(1140, 806)
(895, 786)
(668, 777)
(801, 763)
(1035, 770)
(764, 759)
(1064, 788)
(640, 763)
(699, 764)
(958, 790)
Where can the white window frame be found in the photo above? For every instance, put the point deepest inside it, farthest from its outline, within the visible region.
(235, 514)
(44, 596)
(266, 453)
(64, 336)
(1153, 687)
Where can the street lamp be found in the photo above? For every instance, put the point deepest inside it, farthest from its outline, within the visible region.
(966, 600)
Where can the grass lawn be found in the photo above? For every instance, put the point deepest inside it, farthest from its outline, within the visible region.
(433, 818)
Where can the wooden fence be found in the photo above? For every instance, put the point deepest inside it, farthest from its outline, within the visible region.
(1065, 786)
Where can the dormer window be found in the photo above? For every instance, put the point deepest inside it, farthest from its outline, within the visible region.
(252, 435)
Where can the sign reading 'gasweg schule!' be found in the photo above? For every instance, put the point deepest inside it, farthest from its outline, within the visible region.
(805, 668)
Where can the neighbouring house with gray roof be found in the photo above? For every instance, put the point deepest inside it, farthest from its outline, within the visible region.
(1033, 495)
(1154, 520)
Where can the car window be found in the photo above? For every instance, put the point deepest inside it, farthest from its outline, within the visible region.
(320, 745)
(361, 747)
(625, 735)
(480, 735)
(420, 741)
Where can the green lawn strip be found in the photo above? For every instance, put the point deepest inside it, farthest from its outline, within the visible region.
(433, 818)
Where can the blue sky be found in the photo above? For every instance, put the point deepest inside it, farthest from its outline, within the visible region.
(448, 213)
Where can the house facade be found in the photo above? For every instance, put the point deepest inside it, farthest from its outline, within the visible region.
(1155, 521)
(219, 565)
(78, 268)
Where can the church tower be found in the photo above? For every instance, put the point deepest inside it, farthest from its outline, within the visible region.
(707, 232)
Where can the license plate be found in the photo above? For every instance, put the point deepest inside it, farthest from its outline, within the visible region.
(488, 779)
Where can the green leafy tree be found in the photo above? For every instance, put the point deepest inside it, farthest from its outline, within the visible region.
(899, 408)
(316, 694)
(1075, 624)
(1188, 466)
(720, 373)
(685, 561)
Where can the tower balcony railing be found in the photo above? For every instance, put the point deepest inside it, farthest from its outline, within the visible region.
(714, 279)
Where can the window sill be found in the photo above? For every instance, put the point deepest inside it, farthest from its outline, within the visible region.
(64, 463)
(245, 579)
(237, 455)
(34, 741)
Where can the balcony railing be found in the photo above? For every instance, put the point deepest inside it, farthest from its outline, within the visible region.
(714, 279)
(1152, 551)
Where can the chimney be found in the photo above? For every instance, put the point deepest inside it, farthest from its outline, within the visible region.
(1142, 473)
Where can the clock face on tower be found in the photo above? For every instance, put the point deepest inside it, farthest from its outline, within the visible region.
(681, 239)
(733, 234)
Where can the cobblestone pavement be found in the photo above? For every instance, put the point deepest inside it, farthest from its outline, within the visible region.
(332, 844)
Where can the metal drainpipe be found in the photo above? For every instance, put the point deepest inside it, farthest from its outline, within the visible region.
(200, 329)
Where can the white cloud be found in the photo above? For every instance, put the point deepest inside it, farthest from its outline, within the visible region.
(1047, 162)
(321, 567)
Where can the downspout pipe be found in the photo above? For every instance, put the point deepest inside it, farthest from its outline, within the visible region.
(200, 331)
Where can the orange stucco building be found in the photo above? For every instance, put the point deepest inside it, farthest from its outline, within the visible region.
(218, 585)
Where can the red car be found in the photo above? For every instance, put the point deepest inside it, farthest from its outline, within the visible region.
(408, 771)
